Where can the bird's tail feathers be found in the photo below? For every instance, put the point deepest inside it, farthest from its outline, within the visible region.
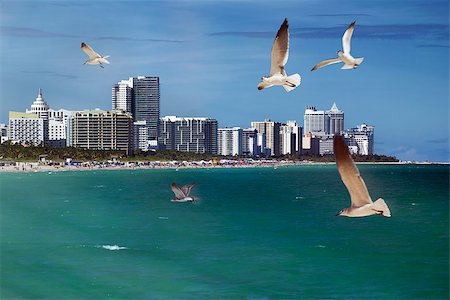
(294, 79)
(358, 61)
(346, 67)
(382, 206)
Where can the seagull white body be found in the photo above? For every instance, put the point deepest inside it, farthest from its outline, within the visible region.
(343, 56)
(94, 57)
(182, 195)
(280, 55)
(362, 204)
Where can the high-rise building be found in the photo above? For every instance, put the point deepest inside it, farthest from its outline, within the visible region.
(140, 135)
(146, 98)
(197, 135)
(4, 133)
(290, 138)
(249, 141)
(321, 123)
(58, 127)
(310, 145)
(272, 131)
(335, 119)
(102, 130)
(230, 141)
(39, 107)
(361, 137)
(27, 128)
(141, 97)
(122, 97)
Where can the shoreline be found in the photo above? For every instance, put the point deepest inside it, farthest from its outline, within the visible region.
(27, 167)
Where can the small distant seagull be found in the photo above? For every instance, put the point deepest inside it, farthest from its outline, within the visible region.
(280, 54)
(362, 204)
(94, 57)
(182, 195)
(349, 61)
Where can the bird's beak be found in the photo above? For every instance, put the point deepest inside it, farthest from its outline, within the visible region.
(338, 214)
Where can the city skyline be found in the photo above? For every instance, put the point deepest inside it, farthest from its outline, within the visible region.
(210, 56)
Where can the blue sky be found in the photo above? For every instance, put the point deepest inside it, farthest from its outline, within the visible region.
(210, 56)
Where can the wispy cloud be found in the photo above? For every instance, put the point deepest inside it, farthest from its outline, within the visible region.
(341, 15)
(51, 73)
(387, 32)
(31, 32)
(433, 46)
(438, 141)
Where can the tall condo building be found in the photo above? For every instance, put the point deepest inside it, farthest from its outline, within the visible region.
(122, 97)
(140, 96)
(271, 130)
(249, 141)
(335, 119)
(320, 123)
(361, 138)
(102, 130)
(27, 128)
(290, 138)
(230, 141)
(197, 135)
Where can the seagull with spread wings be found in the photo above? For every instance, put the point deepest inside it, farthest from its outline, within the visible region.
(182, 194)
(94, 57)
(280, 54)
(345, 57)
(362, 204)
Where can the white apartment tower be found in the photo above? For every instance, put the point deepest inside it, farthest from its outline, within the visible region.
(229, 141)
(122, 95)
(27, 128)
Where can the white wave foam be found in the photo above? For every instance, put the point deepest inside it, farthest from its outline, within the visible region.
(112, 248)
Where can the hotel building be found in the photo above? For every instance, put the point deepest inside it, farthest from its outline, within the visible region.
(271, 130)
(102, 130)
(230, 141)
(197, 135)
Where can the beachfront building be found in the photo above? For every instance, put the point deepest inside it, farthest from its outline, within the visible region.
(271, 130)
(102, 130)
(322, 123)
(141, 97)
(290, 138)
(58, 127)
(122, 95)
(326, 145)
(39, 107)
(197, 135)
(310, 145)
(361, 137)
(335, 119)
(249, 141)
(3, 133)
(140, 136)
(27, 128)
(229, 141)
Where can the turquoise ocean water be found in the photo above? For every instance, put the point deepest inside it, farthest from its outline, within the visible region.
(259, 233)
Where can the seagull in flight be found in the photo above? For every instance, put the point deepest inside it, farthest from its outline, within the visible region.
(94, 57)
(345, 57)
(280, 54)
(182, 194)
(362, 204)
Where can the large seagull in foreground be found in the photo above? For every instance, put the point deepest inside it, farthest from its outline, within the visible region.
(280, 54)
(94, 57)
(182, 194)
(362, 204)
(345, 57)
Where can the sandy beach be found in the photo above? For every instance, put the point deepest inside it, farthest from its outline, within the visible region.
(118, 165)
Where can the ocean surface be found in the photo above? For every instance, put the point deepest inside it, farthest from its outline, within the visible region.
(259, 233)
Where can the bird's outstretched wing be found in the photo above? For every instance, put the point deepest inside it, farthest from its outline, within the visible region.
(346, 38)
(326, 63)
(178, 193)
(280, 50)
(350, 173)
(88, 50)
(186, 189)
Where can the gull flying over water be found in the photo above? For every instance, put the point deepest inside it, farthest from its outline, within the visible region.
(280, 54)
(182, 194)
(345, 57)
(94, 57)
(362, 204)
